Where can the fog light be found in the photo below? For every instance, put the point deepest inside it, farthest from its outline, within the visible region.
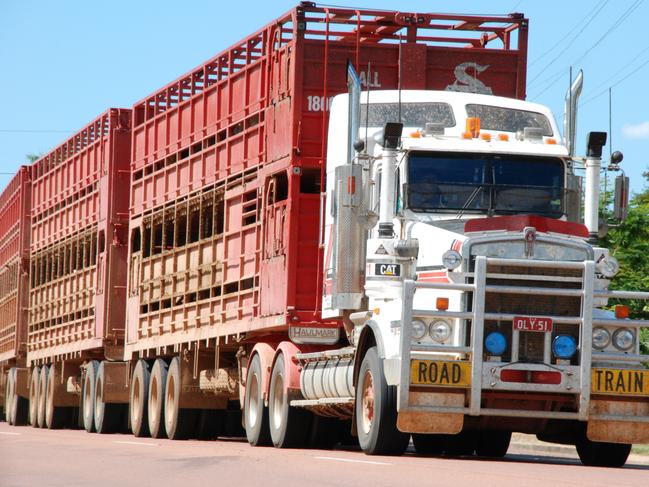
(564, 346)
(418, 329)
(495, 343)
(440, 331)
(623, 339)
(601, 338)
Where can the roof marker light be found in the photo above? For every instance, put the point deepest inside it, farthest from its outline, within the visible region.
(503, 137)
(551, 141)
(416, 134)
(467, 135)
(473, 126)
(486, 137)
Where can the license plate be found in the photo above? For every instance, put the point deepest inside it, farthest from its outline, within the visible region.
(532, 323)
(438, 373)
(620, 382)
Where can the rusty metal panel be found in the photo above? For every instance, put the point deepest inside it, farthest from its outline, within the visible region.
(618, 431)
(79, 236)
(15, 202)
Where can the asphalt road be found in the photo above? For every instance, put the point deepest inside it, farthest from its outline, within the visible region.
(33, 457)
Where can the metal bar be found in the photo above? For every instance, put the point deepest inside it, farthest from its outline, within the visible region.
(556, 264)
(445, 285)
(406, 323)
(516, 337)
(625, 323)
(547, 347)
(622, 294)
(463, 315)
(586, 338)
(618, 357)
(534, 291)
(438, 348)
(477, 334)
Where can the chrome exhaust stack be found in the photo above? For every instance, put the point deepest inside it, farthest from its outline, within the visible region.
(570, 113)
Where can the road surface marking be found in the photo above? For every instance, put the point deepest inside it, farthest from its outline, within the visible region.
(9, 433)
(352, 461)
(135, 443)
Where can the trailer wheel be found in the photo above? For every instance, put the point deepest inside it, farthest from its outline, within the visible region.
(255, 413)
(289, 426)
(108, 416)
(18, 411)
(156, 399)
(376, 410)
(42, 395)
(10, 392)
(33, 397)
(89, 384)
(596, 454)
(56, 417)
(139, 399)
(428, 444)
(493, 444)
(179, 422)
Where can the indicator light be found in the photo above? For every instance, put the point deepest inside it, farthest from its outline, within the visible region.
(496, 343)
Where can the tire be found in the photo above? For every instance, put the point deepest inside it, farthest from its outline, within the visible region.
(289, 426)
(33, 397)
(42, 395)
(56, 417)
(255, 413)
(18, 406)
(89, 383)
(156, 399)
(461, 445)
(493, 444)
(376, 410)
(9, 397)
(429, 445)
(596, 454)
(109, 417)
(139, 399)
(179, 422)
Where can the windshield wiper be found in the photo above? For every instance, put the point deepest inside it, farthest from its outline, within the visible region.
(469, 200)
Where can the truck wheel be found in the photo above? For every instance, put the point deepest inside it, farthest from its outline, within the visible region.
(89, 383)
(56, 417)
(493, 444)
(33, 397)
(42, 395)
(255, 413)
(179, 422)
(376, 410)
(289, 426)
(108, 416)
(139, 399)
(156, 399)
(596, 454)
(11, 397)
(428, 444)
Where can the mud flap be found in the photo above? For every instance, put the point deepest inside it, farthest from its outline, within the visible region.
(430, 422)
(628, 432)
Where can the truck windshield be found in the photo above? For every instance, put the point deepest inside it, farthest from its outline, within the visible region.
(484, 183)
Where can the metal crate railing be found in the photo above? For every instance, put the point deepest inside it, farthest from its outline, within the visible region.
(478, 316)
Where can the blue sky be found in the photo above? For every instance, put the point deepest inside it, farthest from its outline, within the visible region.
(62, 63)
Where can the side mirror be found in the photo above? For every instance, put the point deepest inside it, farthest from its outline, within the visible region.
(621, 202)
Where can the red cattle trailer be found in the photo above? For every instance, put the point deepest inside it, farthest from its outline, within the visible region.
(14, 295)
(78, 263)
(227, 171)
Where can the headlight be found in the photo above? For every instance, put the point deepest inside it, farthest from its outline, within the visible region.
(451, 259)
(495, 343)
(418, 329)
(608, 267)
(601, 338)
(440, 331)
(623, 339)
(564, 346)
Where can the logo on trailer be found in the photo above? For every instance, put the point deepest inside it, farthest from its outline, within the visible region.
(466, 83)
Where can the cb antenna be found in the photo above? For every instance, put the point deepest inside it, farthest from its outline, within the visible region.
(399, 77)
(367, 103)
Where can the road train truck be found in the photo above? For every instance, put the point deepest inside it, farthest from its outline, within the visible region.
(352, 220)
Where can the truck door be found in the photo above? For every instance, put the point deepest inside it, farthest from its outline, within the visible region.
(275, 237)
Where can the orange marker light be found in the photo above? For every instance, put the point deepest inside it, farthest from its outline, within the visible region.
(486, 137)
(621, 311)
(377, 311)
(442, 304)
(550, 141)
(415, 135)
(466, 135)
(473, 126)
(503, 137)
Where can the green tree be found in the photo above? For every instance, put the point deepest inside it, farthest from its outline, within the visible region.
(32, 158)
(629, 243)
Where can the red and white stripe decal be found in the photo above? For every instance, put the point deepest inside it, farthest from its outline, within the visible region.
(456, 245)
(432, 276)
